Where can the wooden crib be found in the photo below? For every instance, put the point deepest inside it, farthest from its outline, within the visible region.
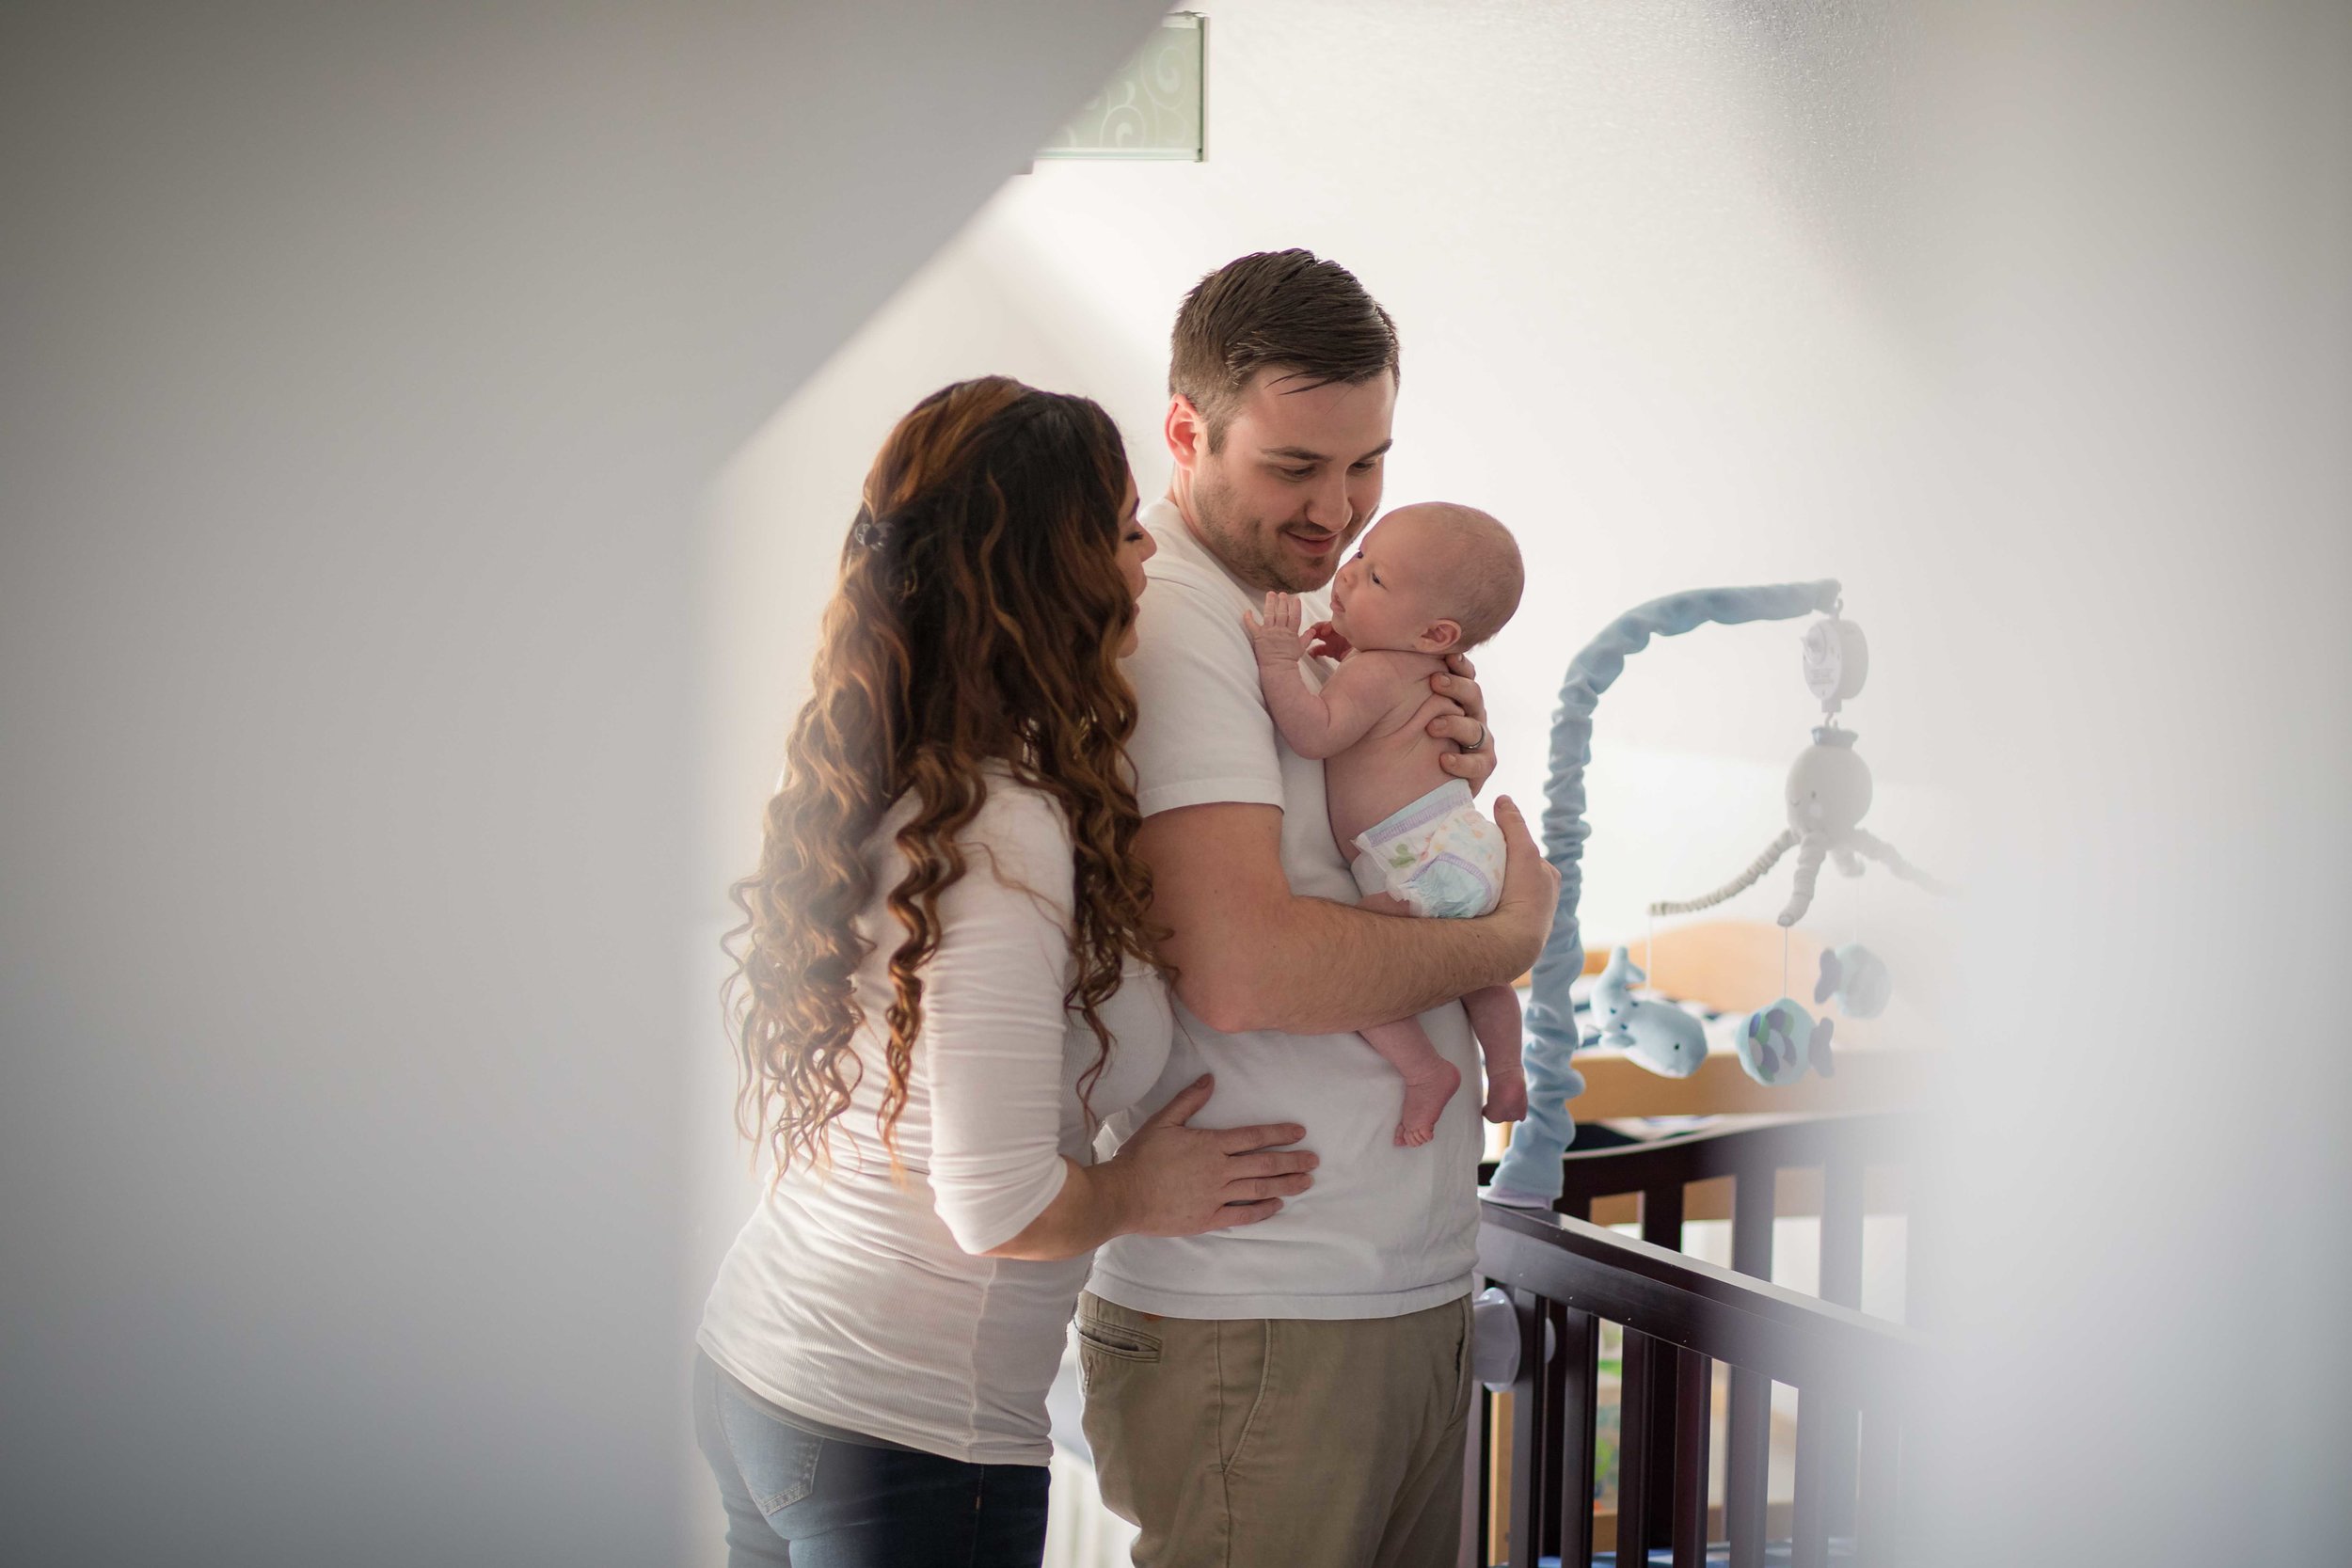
(1531, 1473)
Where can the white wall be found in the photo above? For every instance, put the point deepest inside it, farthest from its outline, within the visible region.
(360, 367)
(1638, 325)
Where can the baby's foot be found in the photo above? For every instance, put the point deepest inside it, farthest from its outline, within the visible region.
(1506, 1096)
(1424, 1096)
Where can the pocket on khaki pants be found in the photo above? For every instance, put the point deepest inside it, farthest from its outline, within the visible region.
(1110, 1337)
(1120, 1354)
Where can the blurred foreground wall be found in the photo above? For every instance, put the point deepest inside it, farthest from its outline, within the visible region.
(360, 367)
(2142, 224)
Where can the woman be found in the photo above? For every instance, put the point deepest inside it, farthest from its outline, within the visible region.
(944, 987)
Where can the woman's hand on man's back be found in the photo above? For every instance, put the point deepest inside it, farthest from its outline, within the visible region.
(1171, 1180)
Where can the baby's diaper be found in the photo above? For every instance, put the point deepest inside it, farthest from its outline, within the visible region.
(1438, 854)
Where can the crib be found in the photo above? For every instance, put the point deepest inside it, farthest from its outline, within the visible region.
(1541, 1487)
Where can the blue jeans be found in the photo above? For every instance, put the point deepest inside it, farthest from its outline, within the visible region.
(796, 1498)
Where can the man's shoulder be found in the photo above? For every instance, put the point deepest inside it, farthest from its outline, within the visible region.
(1182, 577)
(1190, 613)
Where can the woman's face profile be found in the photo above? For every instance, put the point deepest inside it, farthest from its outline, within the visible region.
(1135, 546)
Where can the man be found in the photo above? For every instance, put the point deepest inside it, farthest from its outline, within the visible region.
(1294, 1393)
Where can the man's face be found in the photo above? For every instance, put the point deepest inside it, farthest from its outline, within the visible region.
(1295, 480)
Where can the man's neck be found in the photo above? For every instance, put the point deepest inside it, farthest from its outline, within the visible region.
(1180, 497)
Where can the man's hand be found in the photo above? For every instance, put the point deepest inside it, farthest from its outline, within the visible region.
(1277, 640)
(1466, 728)
(1530, 885)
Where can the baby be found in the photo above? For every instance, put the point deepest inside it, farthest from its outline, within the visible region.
(1429, 580)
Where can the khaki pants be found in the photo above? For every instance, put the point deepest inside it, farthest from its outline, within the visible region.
(1282, 1442)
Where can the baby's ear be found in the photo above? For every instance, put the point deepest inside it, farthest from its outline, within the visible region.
(1440, 637)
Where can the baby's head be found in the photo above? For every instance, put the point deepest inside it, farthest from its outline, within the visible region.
(1433, 578)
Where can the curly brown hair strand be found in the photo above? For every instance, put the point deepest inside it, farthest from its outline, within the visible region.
(975, 628)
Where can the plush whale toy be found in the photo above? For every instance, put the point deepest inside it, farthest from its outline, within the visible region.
(1658, 1035)
(1858, 978)
(1778, 1043)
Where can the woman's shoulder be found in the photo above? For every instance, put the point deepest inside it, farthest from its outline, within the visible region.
(1020, 816)
(1020, 835)
(1011, 812)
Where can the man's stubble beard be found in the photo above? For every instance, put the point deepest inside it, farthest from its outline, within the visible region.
(1247, 552)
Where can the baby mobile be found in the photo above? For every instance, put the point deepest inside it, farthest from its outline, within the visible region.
(1828, 795)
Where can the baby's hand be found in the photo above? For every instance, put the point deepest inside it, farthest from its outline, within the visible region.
(1277, 639)
(1325, 642)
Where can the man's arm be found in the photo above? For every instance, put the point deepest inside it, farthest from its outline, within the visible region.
(1249, 953)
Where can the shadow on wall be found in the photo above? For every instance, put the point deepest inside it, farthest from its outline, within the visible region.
(364, 366)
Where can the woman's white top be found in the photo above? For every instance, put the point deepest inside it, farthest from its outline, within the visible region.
(859, 1300)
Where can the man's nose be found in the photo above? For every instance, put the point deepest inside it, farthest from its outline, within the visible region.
(1326, 504)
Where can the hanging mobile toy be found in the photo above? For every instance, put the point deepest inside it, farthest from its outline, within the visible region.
(1829, 794)
(1829, 787)
(1658, 1035)
(1858, 978)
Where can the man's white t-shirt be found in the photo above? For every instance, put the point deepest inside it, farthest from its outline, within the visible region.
(1384, 1231)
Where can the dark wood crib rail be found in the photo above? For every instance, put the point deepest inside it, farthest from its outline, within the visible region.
(1567, 1276)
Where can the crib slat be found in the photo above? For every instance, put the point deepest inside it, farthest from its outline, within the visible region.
(1749, 1447)
(1877, 1540)
(1580, 1365)
(1816, 1424)
(1842, 1228)
(1643, 1360)
(1842, 1186)
(1694, 1382)
(1531, 1463)
(1662, 1225)
(1559, 1493)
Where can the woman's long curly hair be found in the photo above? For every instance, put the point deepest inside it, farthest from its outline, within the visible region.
(976, 630)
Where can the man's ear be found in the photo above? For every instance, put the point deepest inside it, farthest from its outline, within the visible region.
(1440, 637)
(1186, 432)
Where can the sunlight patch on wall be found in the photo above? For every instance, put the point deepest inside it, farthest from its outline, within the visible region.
(1154, 108)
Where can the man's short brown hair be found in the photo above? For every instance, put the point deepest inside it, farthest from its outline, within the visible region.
(1284, 309)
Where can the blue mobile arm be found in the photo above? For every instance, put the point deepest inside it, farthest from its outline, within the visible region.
(1530, 1166)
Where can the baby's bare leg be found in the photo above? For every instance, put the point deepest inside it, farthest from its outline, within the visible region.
(1430, 1079)
(1494, 1014)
